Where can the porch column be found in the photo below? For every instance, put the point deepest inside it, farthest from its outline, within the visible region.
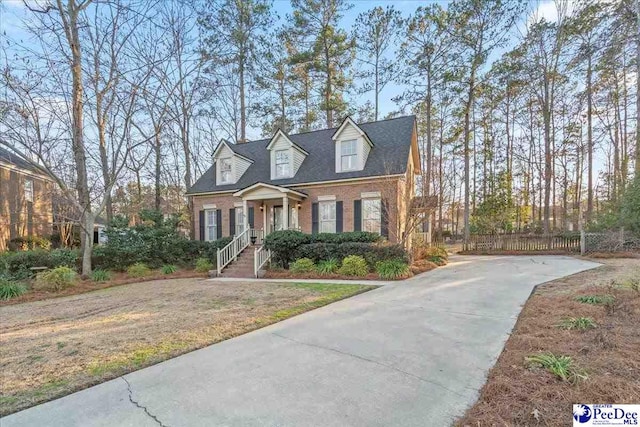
(265, 226)
(245, 214)
(285, 212)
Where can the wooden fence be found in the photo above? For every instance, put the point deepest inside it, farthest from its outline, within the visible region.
(522, 243)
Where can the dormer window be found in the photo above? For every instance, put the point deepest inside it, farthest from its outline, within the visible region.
(282, 164)
(349, 154)
(225, 171)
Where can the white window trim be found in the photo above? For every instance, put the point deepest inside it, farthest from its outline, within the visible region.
(231, 171)
(356, 155)
(28, 193)
(208, 226)
(364, 219)
(289, 163)
(321, 221)
(326, 198)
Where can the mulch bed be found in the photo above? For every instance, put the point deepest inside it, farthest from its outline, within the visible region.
(87, 285)
(420, 266)
(518, 395)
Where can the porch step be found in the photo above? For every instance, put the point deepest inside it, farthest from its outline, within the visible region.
(242, 267)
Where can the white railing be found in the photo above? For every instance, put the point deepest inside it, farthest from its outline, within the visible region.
(260, 257)
(232, 250)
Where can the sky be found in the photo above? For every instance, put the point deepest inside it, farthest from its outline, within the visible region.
(12, 12)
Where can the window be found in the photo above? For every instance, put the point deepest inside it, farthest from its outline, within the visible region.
(210, 231)
(225, 170)
(327, 217)
(348, 155)
(372, 215)
(282, 164)
(239, 221)
(28, 190)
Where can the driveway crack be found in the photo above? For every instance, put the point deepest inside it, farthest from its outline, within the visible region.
(409, 374)
(144, 408)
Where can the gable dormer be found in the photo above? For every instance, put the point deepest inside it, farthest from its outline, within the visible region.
(230, 166)
(352, 147)
(286, 156)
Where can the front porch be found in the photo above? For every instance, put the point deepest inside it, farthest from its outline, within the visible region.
(275, 208)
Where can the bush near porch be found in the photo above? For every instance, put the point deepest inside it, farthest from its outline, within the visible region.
(288, 245)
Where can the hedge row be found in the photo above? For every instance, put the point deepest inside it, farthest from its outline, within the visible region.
(287, 246)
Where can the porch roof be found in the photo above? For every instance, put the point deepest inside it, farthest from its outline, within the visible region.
(261, 190)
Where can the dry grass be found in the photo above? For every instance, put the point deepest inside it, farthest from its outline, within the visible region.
(87, 285)
(54, 347)
(516, 393)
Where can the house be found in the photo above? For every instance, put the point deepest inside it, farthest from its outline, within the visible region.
(25, 199)
(357, 177)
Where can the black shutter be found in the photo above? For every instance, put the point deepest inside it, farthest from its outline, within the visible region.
(251, 217)
(338, 217)
(201, 223)
(219, 223)
(357, 215)
(314, 218)
(232, 222)
(384, 225)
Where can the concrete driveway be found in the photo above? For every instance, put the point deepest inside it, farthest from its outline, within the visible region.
(408, 354)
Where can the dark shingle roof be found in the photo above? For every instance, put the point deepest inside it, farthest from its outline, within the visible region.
(389, 155)
(21, 162)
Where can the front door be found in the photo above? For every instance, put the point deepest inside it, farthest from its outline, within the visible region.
(278, 218)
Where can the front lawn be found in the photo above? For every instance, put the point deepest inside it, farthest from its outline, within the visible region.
(53, 347)
(576, 341)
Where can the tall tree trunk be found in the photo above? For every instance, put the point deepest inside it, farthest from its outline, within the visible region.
(243, 111)
(69, 17)
(429, 130)
(637, 88)
(467, 137)
(589, 141)
(158, 159)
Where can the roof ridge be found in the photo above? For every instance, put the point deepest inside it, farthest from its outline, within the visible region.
(325, 129)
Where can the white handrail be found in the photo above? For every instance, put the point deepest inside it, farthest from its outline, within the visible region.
(230, 252)
(260, 257)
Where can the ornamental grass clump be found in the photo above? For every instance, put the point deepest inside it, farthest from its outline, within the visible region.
(10, 289)
(100, 275)
(328, 266)
(392, 269)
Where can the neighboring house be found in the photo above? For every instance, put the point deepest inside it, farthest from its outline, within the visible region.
(351, 178)
(25, 199)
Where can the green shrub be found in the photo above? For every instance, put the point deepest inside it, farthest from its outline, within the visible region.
(354, 265)
(155, 242)
(64, 257)
(100, 275)
(56, 279)
(352, 236)
(18, 264)
(10, 289)
(302, 265)
(371, 252)
(139, 269)
(392, 269)
(203, 265)
(283, 245)
(169, 269)
(328, 266)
